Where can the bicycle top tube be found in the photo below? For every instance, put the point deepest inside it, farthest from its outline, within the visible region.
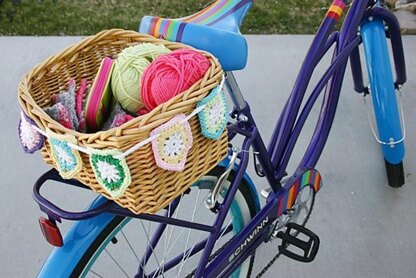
(215, 29)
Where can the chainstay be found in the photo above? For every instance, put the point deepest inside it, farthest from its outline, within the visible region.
(263, 271)
(266, 268)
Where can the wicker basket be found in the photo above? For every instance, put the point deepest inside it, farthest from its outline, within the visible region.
(152, 188)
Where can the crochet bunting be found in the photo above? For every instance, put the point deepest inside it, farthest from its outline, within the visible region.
(213, 118)
(171, 147)
(31, 139)
(67, 160)
(111, 173)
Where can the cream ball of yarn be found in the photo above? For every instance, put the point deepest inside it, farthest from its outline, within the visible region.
(127, 73)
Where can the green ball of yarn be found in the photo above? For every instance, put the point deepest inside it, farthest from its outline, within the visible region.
(127, 73)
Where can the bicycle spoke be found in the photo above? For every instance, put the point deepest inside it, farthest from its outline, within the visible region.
(119, 266)
(130, 246)
(189, 233)
(95, 273)
(170, 248)
(200, 245)
(226, 228)
(182, 247)
(166, 237)
(176, 215)
(188, 254)
(149, 243)
(181, 233)
(166, 244)
(132, 250)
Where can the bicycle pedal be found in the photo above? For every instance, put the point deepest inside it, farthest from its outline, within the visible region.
(308, 247)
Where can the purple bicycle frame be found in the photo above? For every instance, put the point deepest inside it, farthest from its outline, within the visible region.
(274, 158)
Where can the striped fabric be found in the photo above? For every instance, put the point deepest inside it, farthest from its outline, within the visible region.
(217, 15)
(310, 178)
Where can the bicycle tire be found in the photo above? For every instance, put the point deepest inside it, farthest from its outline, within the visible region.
(383, 93)
(395, 174)
(104, 238)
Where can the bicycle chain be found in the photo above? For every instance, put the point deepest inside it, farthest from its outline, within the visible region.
(266, 268)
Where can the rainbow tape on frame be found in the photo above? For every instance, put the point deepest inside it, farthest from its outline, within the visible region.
(309, 178)
(336, 9)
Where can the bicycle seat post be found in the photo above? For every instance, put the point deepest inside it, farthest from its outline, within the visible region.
(234, 91)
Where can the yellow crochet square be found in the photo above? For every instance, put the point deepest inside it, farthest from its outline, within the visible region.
(173, 143)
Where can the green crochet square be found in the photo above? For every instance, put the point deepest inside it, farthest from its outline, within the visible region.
(111, 173)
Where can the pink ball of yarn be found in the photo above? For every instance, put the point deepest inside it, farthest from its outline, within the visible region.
(170, 74)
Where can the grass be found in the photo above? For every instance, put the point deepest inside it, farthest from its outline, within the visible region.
(59, 17)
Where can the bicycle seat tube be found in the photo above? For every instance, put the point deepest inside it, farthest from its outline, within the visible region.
(235, 92)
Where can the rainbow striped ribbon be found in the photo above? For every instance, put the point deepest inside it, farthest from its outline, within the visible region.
(309, 178)
(172, 29)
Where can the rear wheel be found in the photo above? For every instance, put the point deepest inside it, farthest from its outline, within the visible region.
(127, 246)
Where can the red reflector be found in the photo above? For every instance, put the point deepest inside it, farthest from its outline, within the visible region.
(51, 232)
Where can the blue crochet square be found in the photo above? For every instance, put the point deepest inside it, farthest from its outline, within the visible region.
(213, 118)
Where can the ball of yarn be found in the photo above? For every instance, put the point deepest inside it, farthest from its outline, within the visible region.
(170, 74)
(128, 70)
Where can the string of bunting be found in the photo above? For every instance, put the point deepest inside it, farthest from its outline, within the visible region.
(170, 144)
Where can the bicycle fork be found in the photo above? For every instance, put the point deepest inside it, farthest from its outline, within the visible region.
(387, 113)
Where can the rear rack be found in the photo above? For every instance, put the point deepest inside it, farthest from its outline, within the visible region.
(102, 205)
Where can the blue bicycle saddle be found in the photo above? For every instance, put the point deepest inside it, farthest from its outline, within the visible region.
(215, 29)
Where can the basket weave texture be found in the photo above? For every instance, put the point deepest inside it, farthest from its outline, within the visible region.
(152, 188)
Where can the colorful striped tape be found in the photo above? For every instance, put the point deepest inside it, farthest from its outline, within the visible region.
(172, 29)
(336, 9)
(309, 178)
